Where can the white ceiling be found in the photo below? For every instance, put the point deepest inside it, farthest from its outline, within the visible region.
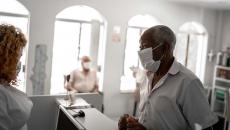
(213, 4)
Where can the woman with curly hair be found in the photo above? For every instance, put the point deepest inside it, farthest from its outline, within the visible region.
(15, 107)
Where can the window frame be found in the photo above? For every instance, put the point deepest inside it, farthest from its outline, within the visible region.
(200, 30)
(81, 22)
(13, 14)
(78, 51)
(141, 30)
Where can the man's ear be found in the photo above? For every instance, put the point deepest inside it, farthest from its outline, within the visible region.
(167, 46)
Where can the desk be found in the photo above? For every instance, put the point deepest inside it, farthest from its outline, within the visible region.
(93, 120)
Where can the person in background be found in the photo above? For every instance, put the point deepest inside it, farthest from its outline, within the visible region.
(171, 96)
(15, 107)
(83, 80)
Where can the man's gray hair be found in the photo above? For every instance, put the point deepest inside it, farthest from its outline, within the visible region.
(163, 34)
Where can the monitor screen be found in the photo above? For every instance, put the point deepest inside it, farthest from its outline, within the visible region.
(64, 123)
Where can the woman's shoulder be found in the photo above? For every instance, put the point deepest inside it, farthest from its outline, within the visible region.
(4, 96)
(10, 93)
(3, 91)
(15, 104)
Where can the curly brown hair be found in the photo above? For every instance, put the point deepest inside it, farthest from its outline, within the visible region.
(12, 42)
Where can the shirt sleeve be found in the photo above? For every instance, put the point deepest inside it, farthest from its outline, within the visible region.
(195, 106)
(4, 117)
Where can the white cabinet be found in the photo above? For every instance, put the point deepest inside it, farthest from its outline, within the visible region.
(220, 93)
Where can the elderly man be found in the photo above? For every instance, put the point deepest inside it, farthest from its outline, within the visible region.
(83, 80)
(171, 96)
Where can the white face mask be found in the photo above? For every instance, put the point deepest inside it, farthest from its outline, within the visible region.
(146, 58)
(86, 65)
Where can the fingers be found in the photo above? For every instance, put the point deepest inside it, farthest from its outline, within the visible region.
(123, 118)
(132, 124)
(131, 119)
(133, 129)
(123, 122)
(127, 122)
(135, 126)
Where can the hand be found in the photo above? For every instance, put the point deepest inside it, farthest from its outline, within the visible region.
(68, 89)
(133, 124)
(67, 86)
(123, 122)
(134, 70)
(128, 122)
(134, 74)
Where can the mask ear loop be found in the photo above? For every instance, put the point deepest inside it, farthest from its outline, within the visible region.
(165, 55)
(156, 48)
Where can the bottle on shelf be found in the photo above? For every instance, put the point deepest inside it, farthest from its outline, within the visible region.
(219, 58)
(228, 60)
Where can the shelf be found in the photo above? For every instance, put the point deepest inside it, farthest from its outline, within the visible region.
(223, 80)
(223, 67)
(222, 87)
(220, 114)
(220, 101)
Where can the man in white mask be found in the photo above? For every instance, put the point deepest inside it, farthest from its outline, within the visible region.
(171, 96)
(83, 80)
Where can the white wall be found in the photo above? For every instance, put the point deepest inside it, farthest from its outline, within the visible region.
(212, 21)
(225, 30)
(116, 13)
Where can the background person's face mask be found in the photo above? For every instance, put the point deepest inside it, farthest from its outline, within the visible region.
(146, 58)
(86, 65)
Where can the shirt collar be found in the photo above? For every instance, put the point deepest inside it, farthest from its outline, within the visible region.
(175, 68)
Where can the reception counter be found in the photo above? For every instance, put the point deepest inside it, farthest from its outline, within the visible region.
(93, 120)
(45, 110)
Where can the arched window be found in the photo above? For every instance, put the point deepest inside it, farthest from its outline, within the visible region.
(191, 47)
(136, 26)
(13, 12)
(79, 30)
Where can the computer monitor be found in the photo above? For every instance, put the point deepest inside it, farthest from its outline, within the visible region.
(64, 123)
